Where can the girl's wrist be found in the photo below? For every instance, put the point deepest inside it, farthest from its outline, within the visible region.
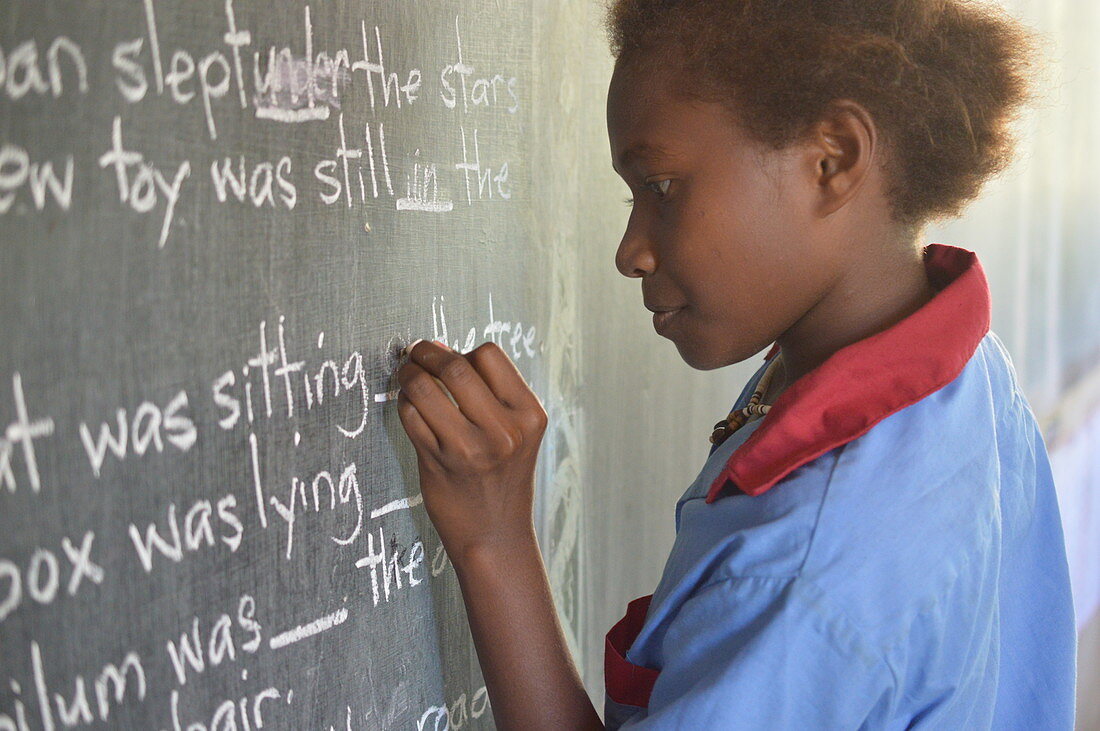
(493, 554)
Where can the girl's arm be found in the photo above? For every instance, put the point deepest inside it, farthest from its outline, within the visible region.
(476, 457)
(528, 671)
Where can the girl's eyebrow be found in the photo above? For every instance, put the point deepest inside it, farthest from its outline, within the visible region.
(641, 149)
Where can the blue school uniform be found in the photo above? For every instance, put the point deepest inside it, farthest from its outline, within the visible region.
(883, 550)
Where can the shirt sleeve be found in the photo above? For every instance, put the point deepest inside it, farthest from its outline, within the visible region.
(766, 653)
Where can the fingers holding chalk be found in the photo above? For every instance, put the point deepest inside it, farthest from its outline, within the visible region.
(406, 359)
(407, 350)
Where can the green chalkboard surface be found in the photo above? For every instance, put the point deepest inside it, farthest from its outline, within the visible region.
(220, 221)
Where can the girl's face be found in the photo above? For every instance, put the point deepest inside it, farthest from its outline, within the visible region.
(720, 230)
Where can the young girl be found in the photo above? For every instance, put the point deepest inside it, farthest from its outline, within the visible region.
(874, 541)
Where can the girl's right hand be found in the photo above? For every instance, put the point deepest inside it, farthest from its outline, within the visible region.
(477, 458)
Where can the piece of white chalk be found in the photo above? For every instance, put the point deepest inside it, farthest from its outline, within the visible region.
(408, 348)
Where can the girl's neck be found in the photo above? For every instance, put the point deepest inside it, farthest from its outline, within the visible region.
(874, 293)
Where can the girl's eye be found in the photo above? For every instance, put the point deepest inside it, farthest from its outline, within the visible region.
(660, 187)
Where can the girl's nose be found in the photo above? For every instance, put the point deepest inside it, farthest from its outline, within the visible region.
(636, 256)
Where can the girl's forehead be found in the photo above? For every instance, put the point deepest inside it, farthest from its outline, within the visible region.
(653, 120)
(633, 107)
(654, 97)
(640, 82)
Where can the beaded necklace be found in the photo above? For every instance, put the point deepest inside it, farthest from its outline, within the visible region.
(739, 417)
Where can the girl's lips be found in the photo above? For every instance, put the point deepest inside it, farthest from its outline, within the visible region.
(661, 319)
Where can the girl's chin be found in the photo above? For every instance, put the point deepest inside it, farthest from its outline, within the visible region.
(703, 356)
(699, 357)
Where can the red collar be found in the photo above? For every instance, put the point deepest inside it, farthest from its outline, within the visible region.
(863, 383)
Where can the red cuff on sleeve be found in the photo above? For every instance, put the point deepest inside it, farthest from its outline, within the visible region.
(627, 683)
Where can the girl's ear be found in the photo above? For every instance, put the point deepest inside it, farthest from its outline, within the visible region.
(843, 148)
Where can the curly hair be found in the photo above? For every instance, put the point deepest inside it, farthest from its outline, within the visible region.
(943, 79)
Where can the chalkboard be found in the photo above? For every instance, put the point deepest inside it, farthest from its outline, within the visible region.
(221, 219)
